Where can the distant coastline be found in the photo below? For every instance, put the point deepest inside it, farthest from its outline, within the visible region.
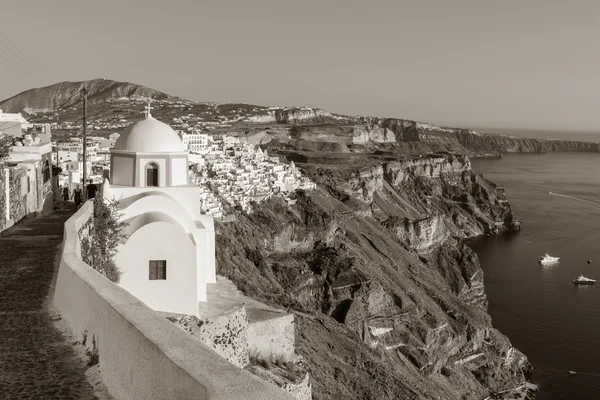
(547, 134)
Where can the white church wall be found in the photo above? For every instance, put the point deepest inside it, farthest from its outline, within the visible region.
(160, 241)
(187, 196)
(122, 170)
(160, 203)
(205, 249)
(179, 171)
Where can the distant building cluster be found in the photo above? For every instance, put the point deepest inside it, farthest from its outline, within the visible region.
(204, 120)
(68, 156)
(27, 169)
(238, 173)
(229, 170)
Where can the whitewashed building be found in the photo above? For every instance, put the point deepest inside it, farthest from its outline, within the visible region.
(196, 142)
(168, 257)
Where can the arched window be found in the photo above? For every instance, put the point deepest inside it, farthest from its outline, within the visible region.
(152, 174)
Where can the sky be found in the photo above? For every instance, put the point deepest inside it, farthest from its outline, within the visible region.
(478, 63)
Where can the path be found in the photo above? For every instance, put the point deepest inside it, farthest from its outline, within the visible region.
(36, 360)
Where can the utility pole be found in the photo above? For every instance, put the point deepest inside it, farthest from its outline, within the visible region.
(84, 92)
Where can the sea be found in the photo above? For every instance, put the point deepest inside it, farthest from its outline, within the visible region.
(553, 321)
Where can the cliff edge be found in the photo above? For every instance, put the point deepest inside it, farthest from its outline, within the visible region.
(388, 299)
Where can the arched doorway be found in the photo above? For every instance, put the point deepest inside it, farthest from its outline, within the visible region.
(152, 174)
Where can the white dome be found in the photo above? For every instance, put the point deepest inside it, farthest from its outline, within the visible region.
(149, 135)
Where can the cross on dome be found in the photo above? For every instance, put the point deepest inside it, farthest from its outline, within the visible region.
(147, 110)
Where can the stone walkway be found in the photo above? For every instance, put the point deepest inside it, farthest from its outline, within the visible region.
(36, 360)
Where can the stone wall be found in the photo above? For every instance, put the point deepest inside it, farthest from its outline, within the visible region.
(295, 383)
(226, 334)
(272, 337)
(141, 354)
(18, 201)
(21, 203)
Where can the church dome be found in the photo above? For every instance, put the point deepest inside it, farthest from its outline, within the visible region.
(149, 135)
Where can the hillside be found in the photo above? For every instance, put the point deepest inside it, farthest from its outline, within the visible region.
(306, 131)
(67, 94)
(390, 302)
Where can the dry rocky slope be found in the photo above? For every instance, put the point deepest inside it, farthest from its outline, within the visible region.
(390, 302)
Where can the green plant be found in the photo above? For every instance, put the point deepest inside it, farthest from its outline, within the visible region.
(111, 271)
(99, 247)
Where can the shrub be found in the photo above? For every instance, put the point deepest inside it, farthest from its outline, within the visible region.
(99, 247)
(111, 271)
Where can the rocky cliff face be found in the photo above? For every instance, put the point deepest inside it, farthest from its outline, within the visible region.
(372, 133)
(389, 301)
(494, 144)
(465, 141)
(296, 115)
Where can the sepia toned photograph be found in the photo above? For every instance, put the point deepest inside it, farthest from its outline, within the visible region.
(299, 200)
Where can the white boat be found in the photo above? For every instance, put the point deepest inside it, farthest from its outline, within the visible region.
(547, 259)
(582, 280)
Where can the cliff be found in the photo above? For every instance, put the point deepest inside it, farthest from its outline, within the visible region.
(425, 137)
(296, 115)
(486, 143)
(389, 302)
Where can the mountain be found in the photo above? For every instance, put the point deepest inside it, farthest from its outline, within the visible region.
(67, 94)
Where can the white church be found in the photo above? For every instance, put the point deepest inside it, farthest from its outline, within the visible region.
(168, 257)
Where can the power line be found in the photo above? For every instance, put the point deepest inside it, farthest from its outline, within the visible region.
(29, 59)
(15, 59)
(13, 52)
(1, 61)
(12, 67)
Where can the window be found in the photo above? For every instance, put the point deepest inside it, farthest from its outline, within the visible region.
(158, 270)
(152, 175)
(46, 171)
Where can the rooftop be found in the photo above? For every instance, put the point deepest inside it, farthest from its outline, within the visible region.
(149, 135)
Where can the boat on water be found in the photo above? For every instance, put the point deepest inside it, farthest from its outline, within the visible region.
(582, 280)
(547, 259)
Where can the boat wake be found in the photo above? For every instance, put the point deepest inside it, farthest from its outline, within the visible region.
(575, 198)
(583, 373)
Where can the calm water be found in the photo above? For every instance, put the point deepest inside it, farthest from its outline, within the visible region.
(554, 322)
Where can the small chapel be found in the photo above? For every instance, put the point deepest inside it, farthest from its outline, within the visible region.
(168, 256)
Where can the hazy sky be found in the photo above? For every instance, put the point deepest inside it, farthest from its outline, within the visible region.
(508, 63)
